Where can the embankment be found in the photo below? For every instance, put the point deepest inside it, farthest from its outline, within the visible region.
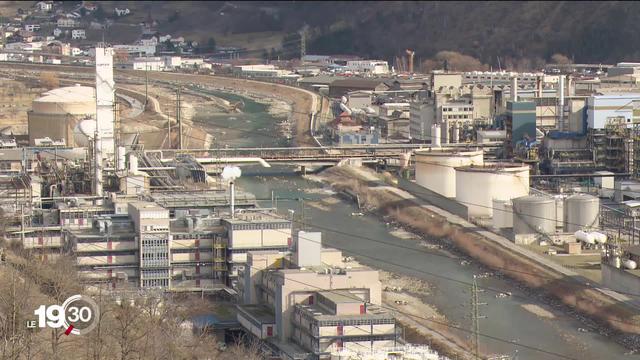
(387, 201)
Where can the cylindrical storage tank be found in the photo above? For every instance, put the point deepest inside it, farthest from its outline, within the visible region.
(531, 215)
(435, 168)
(446, 132)
(121, 156)
(582, 212)
(84, 132)
(502, 214)
(133, 163)
(585, 237)
(436, 139)
(478, 186)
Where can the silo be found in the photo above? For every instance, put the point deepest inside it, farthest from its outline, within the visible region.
(582, 212)
(534, 215)
(478, 186)
(502, 214)
(435, 168)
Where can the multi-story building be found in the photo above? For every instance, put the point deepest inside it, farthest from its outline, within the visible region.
(253, 231)
(138, 245)
(151, 224)
(67, 23)
(311, 303)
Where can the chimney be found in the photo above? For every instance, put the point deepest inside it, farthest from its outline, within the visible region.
(514, 88)
(561, 102)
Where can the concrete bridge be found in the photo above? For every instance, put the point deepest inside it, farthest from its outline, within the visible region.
(303, 156)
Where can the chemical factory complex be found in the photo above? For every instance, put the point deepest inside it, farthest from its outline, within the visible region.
(533, 176)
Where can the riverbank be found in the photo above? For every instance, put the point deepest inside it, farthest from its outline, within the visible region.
(302, 102)
(391, 202)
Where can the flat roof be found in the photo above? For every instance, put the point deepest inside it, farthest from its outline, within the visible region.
(261, 313)
(321, 314)
(340, 296)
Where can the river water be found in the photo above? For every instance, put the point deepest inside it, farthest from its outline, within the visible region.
(449, 276)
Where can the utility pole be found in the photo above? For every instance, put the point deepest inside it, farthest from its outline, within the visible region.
(476, 316)
(178, 118)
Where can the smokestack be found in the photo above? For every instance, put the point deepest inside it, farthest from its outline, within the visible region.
(231, 173)
(97, 159)
(436, 139)
(105, 99)
(539, 85)
(233, 200)
(570, 88)
(561, 102)
(514, 88)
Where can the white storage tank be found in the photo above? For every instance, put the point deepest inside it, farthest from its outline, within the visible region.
(582, 212)
(435, 168)
(478, 186)
(531, 215)
(502, 214)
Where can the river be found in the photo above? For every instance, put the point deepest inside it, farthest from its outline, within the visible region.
(511, 319)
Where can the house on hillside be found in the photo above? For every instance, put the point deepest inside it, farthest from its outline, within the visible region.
(32, 27)
(122, 12)
(149, 40)
(66, 23)
(78, 34)
(44, 6)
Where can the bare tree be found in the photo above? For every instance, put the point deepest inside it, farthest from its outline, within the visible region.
(49, 80)
(558, 58)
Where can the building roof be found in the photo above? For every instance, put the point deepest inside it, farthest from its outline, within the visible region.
(340, 296)
(322, 79)
(319, 313)
(260, 313)
(69, 94)
(358, 83)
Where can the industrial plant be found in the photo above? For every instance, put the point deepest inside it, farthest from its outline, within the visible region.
(324, 206)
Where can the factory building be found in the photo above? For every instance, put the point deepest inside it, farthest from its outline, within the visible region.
(57, 112)
(314, 300)
(520, 123)
(620, 108)
(139, 245)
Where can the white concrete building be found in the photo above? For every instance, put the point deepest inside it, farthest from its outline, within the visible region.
(32, 27)
(374, 67)
(172, 62)
(317, 305)
(149, 64)
(67, 23)
(422, 116)
(78, 34)
(138, 50)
